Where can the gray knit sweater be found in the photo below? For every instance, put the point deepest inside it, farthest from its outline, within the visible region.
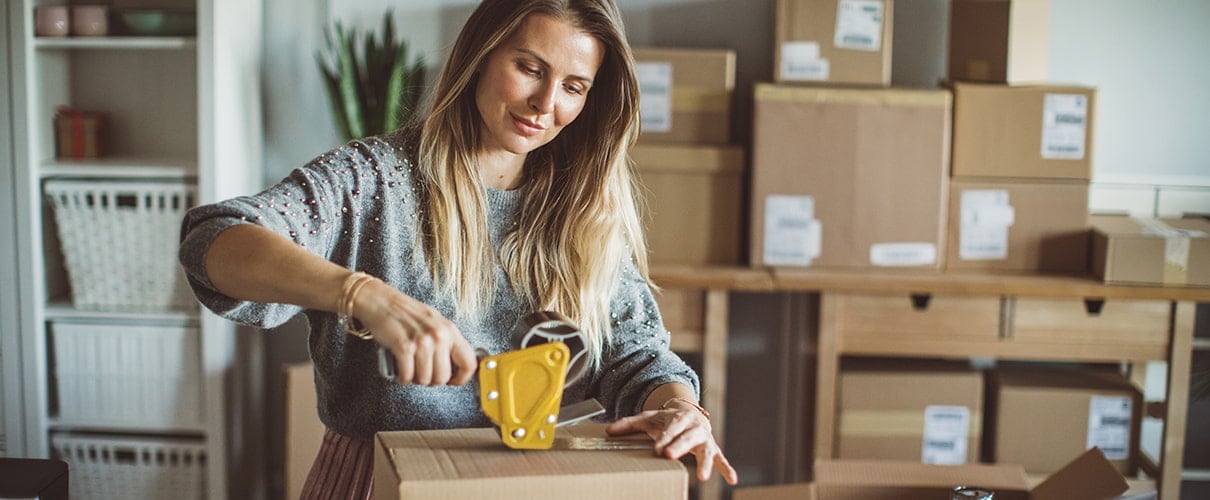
(357, 206)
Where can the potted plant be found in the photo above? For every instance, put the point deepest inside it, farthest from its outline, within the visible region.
(372, 86)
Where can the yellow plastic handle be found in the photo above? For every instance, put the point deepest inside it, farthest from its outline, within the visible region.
(520, 391)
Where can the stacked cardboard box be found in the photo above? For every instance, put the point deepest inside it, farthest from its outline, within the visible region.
(834, 42)
(1003, 41)
(1147, 251)
(692, 178)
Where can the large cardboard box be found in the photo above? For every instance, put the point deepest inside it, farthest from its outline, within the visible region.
(304, 432)
(1031, 132)
(694, 202)
(1148, 251)
(685, 95)
(1083, 409)
(472, 463)
(1003, 41)
(1087, 476)
(849, 178)
(836, 42)
(929, 412)
(1018, 226)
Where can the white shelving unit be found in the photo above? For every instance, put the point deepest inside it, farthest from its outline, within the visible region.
(10, 347)
(179, 109)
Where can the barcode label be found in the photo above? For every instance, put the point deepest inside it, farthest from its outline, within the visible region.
(1109, 420)
(859, 25)
(1064, 126)
(945, 434)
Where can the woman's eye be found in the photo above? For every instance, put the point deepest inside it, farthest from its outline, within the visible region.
(574, 89)
(530, 70)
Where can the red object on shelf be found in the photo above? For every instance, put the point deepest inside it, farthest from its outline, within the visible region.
(78, 133)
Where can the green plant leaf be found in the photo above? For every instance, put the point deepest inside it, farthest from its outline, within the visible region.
(350, 95)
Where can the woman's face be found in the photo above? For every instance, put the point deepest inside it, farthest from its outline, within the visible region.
(534, 84)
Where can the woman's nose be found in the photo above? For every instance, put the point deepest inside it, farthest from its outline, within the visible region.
(543, 99)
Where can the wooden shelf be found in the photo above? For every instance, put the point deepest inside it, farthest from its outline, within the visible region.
(116, 43)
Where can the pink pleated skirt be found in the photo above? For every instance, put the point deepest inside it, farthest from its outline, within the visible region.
(343, 469)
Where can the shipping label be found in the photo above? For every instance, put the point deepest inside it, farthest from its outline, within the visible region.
(903, 254)
(1064, 126)
(800, 61)
(859, 25)
(792, 234)
(985, 219)
(1109, 425)
(946, 431)
(655, 95)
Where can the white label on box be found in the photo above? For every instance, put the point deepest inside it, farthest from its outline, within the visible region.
(903, 254)
(1064, 126)
(792, 234)
(945, 434)
(800, 61)
(859, 25)
(1109, 425)
(655, 95)
(984, 221)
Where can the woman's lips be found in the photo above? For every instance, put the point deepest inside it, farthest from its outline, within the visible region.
(526, 127)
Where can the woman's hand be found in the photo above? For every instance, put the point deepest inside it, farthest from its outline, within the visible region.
(677, 431)
(428, 348)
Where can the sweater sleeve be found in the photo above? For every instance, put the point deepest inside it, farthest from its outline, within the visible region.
(638, 359)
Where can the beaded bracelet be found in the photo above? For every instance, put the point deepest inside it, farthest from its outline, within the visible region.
(691, 403)
(348, 292)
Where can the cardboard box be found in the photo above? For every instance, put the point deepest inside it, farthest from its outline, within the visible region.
(1083, 409)
(79, 133)
(929, 412)
(1147, 251)
(1088, 476)
(1018, 226)
(1029, 132)
(1002, 41)
(837, 42)
(472, 463)
(685, 95)
(304, 431)
(694, 202)
(849, 178)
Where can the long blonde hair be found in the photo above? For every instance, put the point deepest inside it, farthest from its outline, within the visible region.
(578, 224)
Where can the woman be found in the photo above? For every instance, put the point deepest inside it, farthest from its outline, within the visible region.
(512, 195)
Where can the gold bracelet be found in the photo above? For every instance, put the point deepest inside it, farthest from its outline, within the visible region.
(691, 403)
(348, 292)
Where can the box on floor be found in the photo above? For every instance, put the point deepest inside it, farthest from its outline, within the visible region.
(834, 42)
(472, 463)
(1004, 41)
(1018, 226)
(1023, 131)
(685, 95)
(304, 432)
(694, 202)
(849, 177)
(1149, 251)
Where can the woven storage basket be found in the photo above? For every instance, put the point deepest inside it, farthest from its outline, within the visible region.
(128, 376)
(119, 467)
(120, 242)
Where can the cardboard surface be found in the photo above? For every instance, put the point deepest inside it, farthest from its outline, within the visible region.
(1020, 433)
(1148, 251)
(813, 25)
(693, 197)
(873, 162)
(1004, 41)
(703, 84)
(1001, 131)
(1049, 229)
(472, 463)
(304, 431)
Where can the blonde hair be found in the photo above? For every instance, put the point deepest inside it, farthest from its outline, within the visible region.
(579, 224)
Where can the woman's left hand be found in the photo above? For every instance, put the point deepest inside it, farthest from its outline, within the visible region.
(678, 431)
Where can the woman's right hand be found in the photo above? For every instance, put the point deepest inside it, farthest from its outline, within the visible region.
(428, 348)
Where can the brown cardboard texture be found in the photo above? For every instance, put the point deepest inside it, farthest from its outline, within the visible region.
(694, 202)
(849, 178)
(1018, 227)
(833, 42)
(910, 412)
(1003, 41)
(1026, 132)
(1078, 404)
(472, 463)
(696, 109)
(1148, 251)
(304, 431)
(1088, 476)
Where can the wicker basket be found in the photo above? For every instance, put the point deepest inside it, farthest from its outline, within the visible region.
(120, 242)
(119, 467)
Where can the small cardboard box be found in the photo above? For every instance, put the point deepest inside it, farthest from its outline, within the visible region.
(1088, 476)
(1027, 132)
(1018, 226)
(685, 95)
(304, 432)
(1001, 41)
(850, 178)
(929, 412)
(1083, 409)
(835, 42)
(459, 464)
(1148, 251)
(694, 202)
(79, 133)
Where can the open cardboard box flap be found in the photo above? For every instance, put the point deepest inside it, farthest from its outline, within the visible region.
(1090, 476)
